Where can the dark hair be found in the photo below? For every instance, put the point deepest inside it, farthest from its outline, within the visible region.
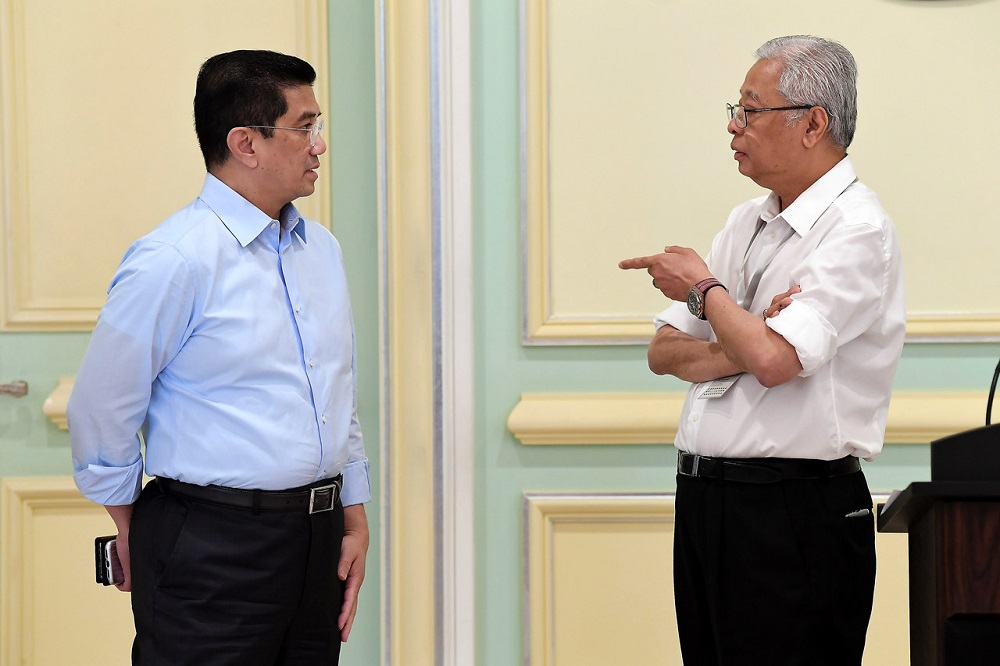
(242, 88)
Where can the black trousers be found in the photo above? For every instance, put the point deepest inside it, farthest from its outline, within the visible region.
(773, 574)
(217, 585)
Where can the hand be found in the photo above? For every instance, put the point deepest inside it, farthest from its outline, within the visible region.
(351, 568)
(122, 515)
(780, 302)
(121, 543)
(674, 271)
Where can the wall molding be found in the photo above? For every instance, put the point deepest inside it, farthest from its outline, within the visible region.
(544, 515)
(538, 419)
(652, 418)
(620, 544)
(46, 533)
(42, 251)
(545, 318)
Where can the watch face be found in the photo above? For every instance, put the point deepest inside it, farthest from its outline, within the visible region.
(695, 302)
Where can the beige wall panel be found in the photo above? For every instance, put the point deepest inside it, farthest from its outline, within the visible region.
(98, 143)
(889, 629)
(53, 612)
(626, 148)
(600, 591)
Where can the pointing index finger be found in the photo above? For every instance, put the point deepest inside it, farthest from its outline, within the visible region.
(635, 262)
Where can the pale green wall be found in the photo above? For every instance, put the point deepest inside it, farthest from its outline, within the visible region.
(505, 368)
(352, 168)
(31, 445)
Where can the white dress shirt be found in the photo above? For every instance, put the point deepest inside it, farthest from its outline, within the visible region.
(847, 327)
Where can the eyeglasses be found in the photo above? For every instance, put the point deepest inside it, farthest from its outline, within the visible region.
(739, 112)
(313, 129)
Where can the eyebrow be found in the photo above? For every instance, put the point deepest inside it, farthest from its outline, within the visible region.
(309, 115)
(752, 94)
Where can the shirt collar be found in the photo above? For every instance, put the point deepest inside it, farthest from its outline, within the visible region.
(244, 220)
(810, 205)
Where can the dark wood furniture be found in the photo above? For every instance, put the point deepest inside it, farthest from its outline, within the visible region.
(953, 523)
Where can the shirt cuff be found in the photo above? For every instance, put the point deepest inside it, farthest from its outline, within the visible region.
(678, 316)
(110, 486)
(812, 336)
(357, 485)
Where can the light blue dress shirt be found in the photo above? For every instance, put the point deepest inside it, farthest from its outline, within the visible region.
(227, 341)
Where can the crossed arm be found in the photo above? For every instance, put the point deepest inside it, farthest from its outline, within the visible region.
(745, 342)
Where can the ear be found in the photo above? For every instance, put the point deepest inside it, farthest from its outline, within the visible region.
(240, 142)
(817, 121)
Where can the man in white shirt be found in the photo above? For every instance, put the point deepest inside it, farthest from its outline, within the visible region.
(790, 332)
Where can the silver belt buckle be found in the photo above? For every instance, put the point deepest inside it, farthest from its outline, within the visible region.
(695, 460)
(323, 498)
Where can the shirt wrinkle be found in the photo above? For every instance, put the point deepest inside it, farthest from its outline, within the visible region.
(240, 374)
(847, 327)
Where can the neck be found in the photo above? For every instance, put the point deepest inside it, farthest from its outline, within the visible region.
(239, 180)
(807, 175)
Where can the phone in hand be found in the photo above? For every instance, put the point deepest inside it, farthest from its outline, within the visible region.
(109, 566)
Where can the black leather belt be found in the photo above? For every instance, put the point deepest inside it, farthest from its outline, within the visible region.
(763, 470)
(314, 498)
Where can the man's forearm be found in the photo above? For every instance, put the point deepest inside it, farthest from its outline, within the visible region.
(673, 352)
(122, 515)
(748, 342)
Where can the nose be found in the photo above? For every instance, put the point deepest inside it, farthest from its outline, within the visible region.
(733, 128)
(319, 147)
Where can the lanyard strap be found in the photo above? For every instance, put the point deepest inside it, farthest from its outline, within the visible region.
(745, 294)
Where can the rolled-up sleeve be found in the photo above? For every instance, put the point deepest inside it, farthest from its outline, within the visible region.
(812, 336)
(845, 283)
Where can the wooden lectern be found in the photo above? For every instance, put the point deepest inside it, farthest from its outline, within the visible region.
(953, 522)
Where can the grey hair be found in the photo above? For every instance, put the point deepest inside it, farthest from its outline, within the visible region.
(820, 72)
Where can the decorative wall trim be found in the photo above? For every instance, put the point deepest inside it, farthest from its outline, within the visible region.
(915, 417)
(314, 47)
(545, 583)
(596, 418)
(413, 633)
(652, 418)
(54, 406)
(40, 254)
(545, 173)
(623, 541)
(451, 138)
(46, 534)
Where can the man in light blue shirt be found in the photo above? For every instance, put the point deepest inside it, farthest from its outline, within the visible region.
(227, 342)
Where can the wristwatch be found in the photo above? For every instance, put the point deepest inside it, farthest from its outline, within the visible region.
(696, 297)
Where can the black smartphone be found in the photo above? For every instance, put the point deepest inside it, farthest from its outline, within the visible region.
(109, 567)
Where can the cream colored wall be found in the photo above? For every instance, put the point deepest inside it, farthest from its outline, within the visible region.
(624, 150)
(97, 143)
(711, 27)
(53, 610)
(623, 613)
(626, 147)
(97, 147)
